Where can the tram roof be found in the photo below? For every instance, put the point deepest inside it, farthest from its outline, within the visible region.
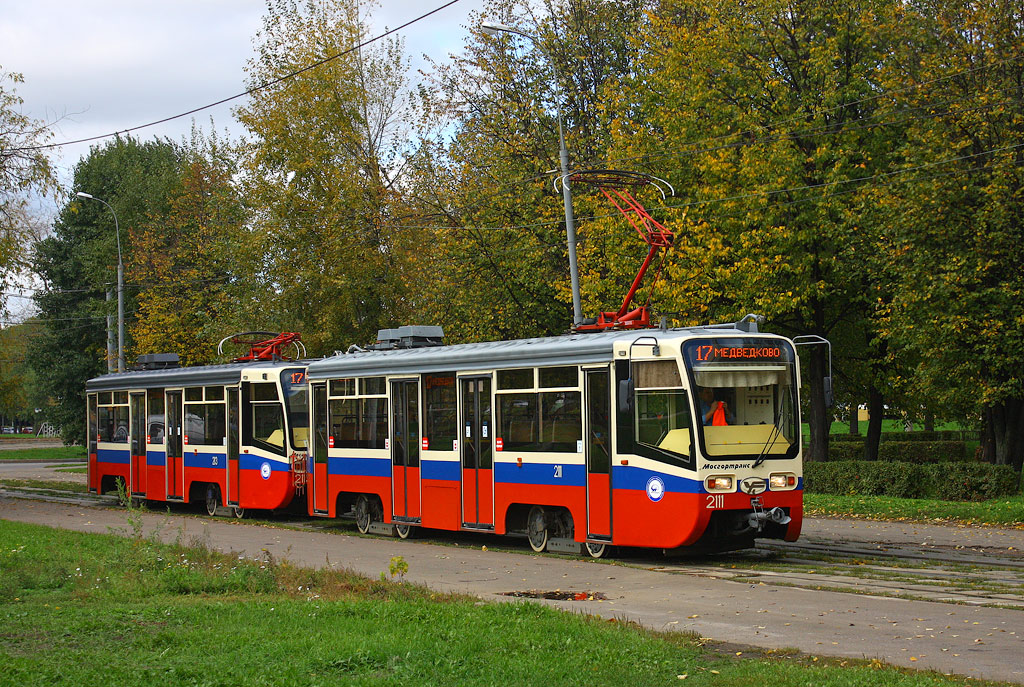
(228, 373)
(570, 349)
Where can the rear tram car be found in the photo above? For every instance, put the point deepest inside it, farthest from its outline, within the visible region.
(227, 436)
(654, 438)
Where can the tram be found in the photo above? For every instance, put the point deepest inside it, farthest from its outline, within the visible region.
(230, 437)
(579, 442)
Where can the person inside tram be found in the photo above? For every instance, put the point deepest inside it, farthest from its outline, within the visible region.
(709, 408)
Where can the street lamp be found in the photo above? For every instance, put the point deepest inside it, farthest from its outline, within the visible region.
(120, 282)
(492, 29)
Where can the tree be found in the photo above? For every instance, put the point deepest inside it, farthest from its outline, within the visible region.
(763, 116)
(323, 170)
(502, 270)
(77, 264)
(24, 169)
(957, 215)
(185, 261)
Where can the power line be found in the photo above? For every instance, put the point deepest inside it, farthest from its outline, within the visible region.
(268, 84)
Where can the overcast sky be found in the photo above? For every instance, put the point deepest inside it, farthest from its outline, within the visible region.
(101, 66)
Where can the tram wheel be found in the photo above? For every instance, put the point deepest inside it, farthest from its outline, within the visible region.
(363, 514)
(537, 529)
(597, 550)
(238, 512)
(212, 499)
(403, 530)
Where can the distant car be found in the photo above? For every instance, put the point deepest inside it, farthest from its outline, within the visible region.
(8, 430)
(27, 430)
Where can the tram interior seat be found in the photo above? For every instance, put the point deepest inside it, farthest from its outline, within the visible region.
(276, 438)
(678, 441)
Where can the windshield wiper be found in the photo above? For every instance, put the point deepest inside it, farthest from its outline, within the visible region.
(768, 444)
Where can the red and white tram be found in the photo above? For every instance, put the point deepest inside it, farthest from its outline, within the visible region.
(230, 436)
(660, 438)
(579, 441)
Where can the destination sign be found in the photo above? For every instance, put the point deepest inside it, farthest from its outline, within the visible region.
(711, 353)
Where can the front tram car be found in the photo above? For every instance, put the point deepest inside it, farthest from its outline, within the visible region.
(227, 436)
(651, 438)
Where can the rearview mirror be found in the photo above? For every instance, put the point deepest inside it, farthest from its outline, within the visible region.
(626, 395)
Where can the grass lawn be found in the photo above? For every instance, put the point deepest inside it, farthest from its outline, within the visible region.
(100, 609)
(1001, 512)
(55, 453)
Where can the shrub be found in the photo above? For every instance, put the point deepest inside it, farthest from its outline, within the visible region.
(908, 452)
(950, 481)
(972, 481)
(867, 478)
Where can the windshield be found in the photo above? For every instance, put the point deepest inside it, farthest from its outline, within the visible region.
(743, 396)
(296, 403)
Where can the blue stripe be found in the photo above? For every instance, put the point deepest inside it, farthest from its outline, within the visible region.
(156, 458)
(111, 455)
(540, 474)
(359, 467)
(450, 470)
(205, 460)
(627, 477)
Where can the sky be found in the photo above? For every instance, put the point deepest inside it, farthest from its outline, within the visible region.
(94, 67)
(99, 66)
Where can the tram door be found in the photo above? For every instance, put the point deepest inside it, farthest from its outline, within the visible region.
(233, 468)
(137, 427)
(175, 461)
(405, 448)
(318, 458)
(477, 457)
(599, 487)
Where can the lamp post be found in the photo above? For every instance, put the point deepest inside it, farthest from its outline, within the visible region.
(120, 282)
(492, 29)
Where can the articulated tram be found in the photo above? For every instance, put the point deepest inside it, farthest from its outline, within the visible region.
(660, 438)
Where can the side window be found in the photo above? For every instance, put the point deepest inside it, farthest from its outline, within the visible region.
(440, 424)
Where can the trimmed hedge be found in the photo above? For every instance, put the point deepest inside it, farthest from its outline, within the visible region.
(908, 452)
(944, 435)
(947, 481)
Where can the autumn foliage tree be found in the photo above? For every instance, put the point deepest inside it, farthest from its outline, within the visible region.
(324, 164)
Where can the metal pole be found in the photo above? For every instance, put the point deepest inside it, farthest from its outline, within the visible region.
(120, 284)
(110, 335)
(491, 29)
(120, 308)
(570, 226)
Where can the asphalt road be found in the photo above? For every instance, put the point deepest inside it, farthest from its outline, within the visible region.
(975, 641)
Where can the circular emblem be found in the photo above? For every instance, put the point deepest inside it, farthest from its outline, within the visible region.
(265, 470)
(655, 489)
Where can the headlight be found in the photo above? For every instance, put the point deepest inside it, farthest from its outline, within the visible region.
(781, 481)
(719, 483)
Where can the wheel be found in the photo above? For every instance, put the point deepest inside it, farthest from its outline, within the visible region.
(238, 512)
(212, 499)
(363, 514)
(404, 530)
(138, 502)
(537, 529)
(597, 550)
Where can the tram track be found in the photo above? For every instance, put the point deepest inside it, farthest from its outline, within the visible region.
(959, 575)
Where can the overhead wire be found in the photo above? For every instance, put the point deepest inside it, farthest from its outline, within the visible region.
(254, 89)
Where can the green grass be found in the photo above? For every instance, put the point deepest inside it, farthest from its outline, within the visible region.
(95, 609)
(54, 453)
(1002, 512)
